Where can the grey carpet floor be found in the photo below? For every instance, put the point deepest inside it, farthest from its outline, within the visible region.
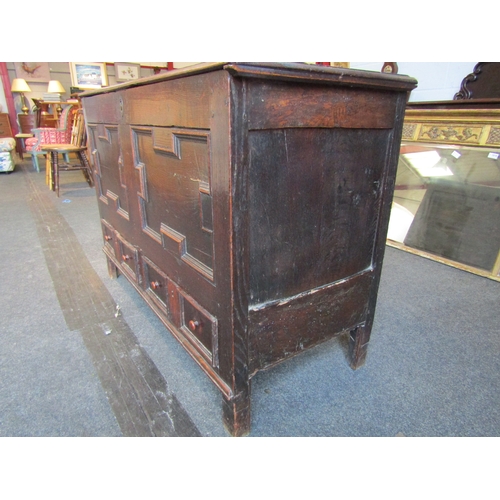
(433, 365)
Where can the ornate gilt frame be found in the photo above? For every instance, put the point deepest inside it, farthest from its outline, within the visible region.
(470, 127)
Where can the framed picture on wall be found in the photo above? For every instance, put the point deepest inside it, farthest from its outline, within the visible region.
(33, 71)
(127, 71)
(88, 75)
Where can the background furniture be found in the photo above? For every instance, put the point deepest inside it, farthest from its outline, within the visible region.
(5, 128)
(27, 123)
(48, 112)
(77, 146)
(45, 136)
(248, 205)
(7, 144)
(453, 207)
(44, 118)
(482, 83)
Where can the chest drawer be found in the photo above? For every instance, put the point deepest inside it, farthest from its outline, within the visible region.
(191, 322)
(5, 128)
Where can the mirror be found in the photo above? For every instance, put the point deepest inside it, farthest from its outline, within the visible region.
(447, 204)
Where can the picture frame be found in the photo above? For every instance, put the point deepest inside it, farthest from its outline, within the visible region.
(125, 72)
(86, 75)
(33, 71)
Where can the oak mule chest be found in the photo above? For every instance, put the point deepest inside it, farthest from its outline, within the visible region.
(248, 204)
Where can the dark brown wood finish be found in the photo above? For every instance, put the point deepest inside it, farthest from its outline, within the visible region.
(248, 204)
(482, 83)
(5, 128)
(26, 123)
(478, 90)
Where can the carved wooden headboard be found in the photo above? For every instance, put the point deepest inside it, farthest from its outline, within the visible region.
(482, 83)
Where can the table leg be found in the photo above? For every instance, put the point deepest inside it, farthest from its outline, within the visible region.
(48, 177)
(20, 146)
(55, 171)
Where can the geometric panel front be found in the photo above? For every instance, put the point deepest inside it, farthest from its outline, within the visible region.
(106, 150)
(174, 195)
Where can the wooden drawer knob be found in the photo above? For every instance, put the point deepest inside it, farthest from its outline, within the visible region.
(193, 325)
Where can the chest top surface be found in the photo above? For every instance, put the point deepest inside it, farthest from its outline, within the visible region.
(298, 72)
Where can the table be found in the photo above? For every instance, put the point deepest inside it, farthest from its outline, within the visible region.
(20, 143)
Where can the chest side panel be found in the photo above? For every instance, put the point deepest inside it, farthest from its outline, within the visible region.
(314, 195)
(318, 157)
(321, 172)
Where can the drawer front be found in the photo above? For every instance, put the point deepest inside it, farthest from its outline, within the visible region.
(109, 236)
(156, 285)
(128, 255)
(193, 322)
(200, 327)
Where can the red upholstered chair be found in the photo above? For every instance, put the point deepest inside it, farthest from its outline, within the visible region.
(45, 136)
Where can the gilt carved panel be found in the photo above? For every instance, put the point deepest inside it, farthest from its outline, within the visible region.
(449, 133)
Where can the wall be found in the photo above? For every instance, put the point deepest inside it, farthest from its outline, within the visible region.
(58, 71)
(61, 71)
(437, 81)
(178, 65)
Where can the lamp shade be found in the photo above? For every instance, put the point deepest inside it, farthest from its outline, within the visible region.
(19, 85)
(55, 87)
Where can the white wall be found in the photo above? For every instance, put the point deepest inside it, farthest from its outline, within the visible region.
(437, 81)
(178, 65)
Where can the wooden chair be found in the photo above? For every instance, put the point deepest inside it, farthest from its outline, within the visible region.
(77, 146)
